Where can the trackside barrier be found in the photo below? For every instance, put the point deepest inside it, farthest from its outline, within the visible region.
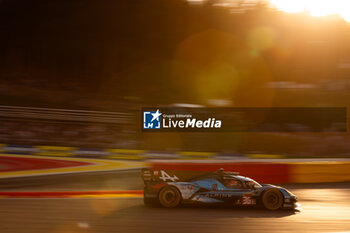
(270, 172)
(318, 172)
(72, 194)
(124, 154)
(118, 154)
(266, 172)
(259, 171)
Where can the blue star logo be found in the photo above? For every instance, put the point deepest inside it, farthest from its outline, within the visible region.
(151, 120)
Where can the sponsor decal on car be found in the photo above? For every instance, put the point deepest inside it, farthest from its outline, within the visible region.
(219, 195)
(246, 200)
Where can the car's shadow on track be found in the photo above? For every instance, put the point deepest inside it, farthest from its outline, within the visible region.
(199, 211)
(222, 211)
(140, 218)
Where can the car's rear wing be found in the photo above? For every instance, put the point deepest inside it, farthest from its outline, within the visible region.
(147, 174)
(160, 175)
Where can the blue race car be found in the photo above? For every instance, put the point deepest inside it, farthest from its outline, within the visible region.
(171, 188)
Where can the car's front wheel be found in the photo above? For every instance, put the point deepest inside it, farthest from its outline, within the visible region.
(169, 197)
(272, 199)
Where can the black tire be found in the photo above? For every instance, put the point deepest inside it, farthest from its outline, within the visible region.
(272, 199)
(169, 197)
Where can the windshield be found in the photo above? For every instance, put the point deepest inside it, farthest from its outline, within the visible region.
(232, 183)
(253, 184)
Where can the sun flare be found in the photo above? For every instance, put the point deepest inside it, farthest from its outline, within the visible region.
(315, 7)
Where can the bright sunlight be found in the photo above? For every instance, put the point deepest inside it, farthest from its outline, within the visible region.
(315, 7)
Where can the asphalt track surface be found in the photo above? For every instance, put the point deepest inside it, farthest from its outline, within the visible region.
(325, 208)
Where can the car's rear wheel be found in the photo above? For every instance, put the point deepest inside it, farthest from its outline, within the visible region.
(169, 197)
(272, 199)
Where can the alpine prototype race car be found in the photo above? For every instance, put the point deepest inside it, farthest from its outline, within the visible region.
(171, 188)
